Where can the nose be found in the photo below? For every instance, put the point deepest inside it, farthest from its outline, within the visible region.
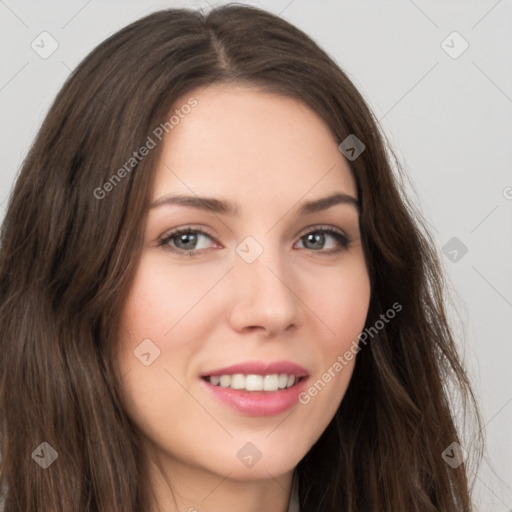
(262, 296)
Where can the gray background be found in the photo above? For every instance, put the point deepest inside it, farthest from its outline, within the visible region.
(449, 120)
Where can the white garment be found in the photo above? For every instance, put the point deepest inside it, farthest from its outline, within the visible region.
(293, 504)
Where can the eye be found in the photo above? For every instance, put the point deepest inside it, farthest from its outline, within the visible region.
(317, 239)
(185, 241)
(189, 241)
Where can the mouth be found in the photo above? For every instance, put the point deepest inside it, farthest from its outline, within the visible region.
(257, 388)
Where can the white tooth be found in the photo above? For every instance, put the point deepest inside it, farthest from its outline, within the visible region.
(291, 381)
(215, 379)
(283, 380)
(225, 381)
(270, 383)
(254, 383)
(238, 381)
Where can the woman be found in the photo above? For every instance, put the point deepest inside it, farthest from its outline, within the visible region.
(214, 295)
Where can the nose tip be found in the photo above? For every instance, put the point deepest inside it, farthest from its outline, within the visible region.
(262, 296)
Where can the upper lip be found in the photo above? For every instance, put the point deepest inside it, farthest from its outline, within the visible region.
(260, 368)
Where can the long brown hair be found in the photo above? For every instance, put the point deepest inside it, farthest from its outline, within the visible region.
(70, 245)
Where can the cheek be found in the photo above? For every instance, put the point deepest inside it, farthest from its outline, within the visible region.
(162, 295)
(341, 304)
(168, 305)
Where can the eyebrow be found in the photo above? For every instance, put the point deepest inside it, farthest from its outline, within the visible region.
(221, 207)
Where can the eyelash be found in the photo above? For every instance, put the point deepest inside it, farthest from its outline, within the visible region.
(342, 239)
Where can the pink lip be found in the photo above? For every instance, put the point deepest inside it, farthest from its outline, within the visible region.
(258, 403)
(260, 368)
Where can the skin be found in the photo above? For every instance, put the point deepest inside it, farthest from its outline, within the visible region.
(268, 154)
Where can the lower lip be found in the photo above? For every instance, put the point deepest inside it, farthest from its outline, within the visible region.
(258, 403)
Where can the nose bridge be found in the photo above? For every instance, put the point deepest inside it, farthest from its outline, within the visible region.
(263, 294)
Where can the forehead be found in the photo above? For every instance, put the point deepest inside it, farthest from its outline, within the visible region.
(239, 140)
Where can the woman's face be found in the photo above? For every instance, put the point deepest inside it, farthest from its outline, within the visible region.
(272, 293)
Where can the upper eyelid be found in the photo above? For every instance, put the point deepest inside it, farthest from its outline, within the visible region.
(188, 227)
